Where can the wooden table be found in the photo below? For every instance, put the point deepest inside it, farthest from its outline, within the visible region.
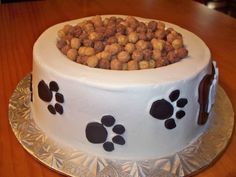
(22, 23)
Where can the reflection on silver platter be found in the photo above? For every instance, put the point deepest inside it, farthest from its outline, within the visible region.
(73, 162)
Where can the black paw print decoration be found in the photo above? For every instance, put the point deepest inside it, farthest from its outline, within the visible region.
(164, 110)
(96, 133)
(46, 93)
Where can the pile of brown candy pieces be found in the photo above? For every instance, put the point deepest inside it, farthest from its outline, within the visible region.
(121, 44)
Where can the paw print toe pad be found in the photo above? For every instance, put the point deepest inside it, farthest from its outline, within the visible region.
(53, 86)
(51, 109)
(170, 123)
(182, 102)
(118, 129)
(59, 108)
(180, 114)
(118, 140)
(108, 146)
(108, 120)
(59, 98)
(174, 95)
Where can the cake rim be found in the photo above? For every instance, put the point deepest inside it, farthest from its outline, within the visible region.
(186, 69)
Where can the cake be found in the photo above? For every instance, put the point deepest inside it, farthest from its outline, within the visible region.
(135, 115)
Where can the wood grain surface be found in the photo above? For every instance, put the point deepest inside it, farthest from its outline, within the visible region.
(22, 23)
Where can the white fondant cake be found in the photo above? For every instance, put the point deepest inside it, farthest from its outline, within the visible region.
(156, 111)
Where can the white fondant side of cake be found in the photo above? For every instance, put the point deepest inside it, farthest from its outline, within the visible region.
(127, 95)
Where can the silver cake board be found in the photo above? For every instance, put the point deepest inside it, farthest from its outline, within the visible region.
(197, 156)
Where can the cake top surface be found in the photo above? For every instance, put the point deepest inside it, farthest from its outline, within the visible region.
(46, 53)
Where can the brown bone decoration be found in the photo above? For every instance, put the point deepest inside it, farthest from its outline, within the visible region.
(203, 90)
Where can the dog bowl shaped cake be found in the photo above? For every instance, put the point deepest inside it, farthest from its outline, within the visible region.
(121, 114)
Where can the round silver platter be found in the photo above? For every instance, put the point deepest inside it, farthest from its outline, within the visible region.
(73, 162)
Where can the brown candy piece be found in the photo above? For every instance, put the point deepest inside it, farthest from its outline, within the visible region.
(112, 37)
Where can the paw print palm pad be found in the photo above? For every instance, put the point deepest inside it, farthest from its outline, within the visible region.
(44, 92)
(163, 109)
(97, 133)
